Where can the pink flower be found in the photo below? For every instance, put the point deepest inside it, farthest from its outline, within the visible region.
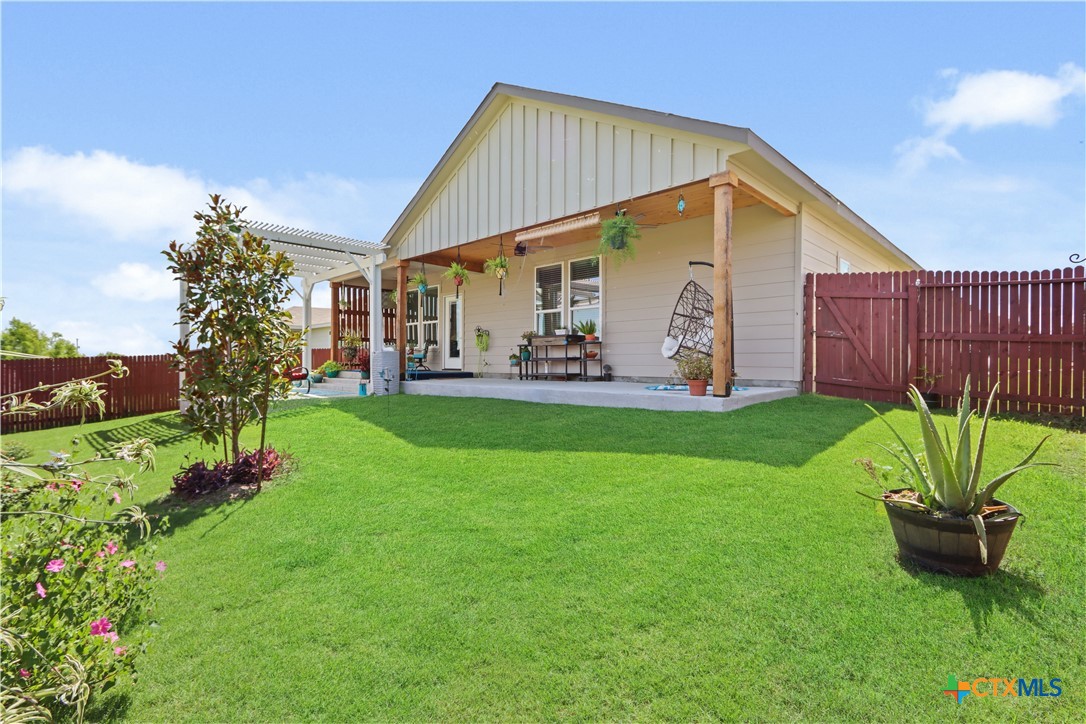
(76, 485)
(41, 589)
(24, 673)
(120, 650)
(116, 497)
(55, 566)
(101, 554)
(127, 564)
(100, 627)
(99, 569)
(160, 566)
(111, 548)
(50, 486)
(111, 637)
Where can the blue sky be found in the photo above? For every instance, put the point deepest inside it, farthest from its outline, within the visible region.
(956, 129)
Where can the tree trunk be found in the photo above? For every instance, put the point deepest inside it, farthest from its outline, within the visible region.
(263, 431)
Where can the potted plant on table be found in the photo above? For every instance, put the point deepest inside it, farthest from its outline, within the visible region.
(697, 369)
(943, 518)
(330, 369)
(527, 336)
(588, 329)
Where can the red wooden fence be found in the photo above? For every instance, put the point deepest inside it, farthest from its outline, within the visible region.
(869, 336)
(151, 386)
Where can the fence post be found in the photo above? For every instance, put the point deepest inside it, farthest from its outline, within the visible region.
(808, 342)
(912, 316)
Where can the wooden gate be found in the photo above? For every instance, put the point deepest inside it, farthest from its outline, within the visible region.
(869, 336)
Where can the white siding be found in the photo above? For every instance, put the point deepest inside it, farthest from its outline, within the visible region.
(639, 297)
(530, 163)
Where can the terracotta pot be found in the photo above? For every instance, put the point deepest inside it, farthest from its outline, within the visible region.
(458, 280)
(590, 338)
(592, 354)
(951, 545)
(698, 387)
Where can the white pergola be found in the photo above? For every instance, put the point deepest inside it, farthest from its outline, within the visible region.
(321, 257)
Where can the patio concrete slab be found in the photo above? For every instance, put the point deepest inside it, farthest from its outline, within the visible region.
(595, 394)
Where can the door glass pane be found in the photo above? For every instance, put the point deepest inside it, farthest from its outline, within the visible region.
(454, 335)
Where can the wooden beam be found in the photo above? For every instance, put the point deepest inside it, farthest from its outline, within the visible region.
(401, 313)
(445, 260)
(723, 185)
(334, 353)
(767, 199)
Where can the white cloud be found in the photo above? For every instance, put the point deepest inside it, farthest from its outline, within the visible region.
(96, 337)
(985, 100)
(132, 201)
(138, 282)
(1000, 97)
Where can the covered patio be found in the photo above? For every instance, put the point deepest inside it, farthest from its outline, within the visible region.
(594, 394)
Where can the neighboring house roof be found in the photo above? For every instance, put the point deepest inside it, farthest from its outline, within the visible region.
(502, 92)
(322, 317)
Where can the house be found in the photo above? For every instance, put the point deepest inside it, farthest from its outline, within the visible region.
(532, 169)
(320, 327)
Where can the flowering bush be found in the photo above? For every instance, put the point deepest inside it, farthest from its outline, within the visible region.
(78, 572)
(198, 479)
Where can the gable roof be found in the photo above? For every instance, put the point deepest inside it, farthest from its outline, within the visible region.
(502, 92)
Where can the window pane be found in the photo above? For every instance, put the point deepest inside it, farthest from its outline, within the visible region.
(583, 315)
(548, 287)
(412, 307)
(584, 282)
(547, 322)
(429, 305)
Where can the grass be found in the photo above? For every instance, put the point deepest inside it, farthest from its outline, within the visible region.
(461, 559)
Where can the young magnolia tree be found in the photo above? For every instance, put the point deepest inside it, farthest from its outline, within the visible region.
(239, 340)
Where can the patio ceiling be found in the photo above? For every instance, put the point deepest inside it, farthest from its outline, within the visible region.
(651, 209)
(319, 257)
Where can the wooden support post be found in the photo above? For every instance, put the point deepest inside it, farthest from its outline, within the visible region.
(334, 352)
(401, 313)
(723, 185)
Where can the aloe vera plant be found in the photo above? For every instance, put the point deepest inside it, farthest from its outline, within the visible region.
(947, 473)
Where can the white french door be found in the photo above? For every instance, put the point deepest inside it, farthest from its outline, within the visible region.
(452, 354)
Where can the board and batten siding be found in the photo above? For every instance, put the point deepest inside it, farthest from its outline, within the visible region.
(640, 295)
(534, 163)
(825, 243)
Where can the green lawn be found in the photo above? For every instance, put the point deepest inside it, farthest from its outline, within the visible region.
(462, 559)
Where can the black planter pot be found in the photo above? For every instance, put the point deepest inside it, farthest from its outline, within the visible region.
(951, 545)
(933, 400)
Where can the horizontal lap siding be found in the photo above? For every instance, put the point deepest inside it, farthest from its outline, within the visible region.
(824, 242)
(533, 163)
(640, 296)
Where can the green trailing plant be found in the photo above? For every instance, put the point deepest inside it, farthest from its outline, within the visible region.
(946, 475)
(238, 340)
(391, 299)
(351, 340)
(695, 366)
(77, 576)
(617, 235)
(420, 281)
(587, 327)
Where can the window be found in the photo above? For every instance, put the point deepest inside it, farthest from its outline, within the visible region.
(549, 314)
(584, 291)
(422, 313)
(567, 294)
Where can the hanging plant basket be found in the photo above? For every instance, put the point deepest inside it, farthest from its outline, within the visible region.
(420, 281)
(458, 274)
(617, 235)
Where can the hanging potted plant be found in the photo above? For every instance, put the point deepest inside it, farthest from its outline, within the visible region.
(697, 369)
(514, 359)
(498, 266)
(458, 274)
(617, 235)
(419, 280)
(943, 518)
